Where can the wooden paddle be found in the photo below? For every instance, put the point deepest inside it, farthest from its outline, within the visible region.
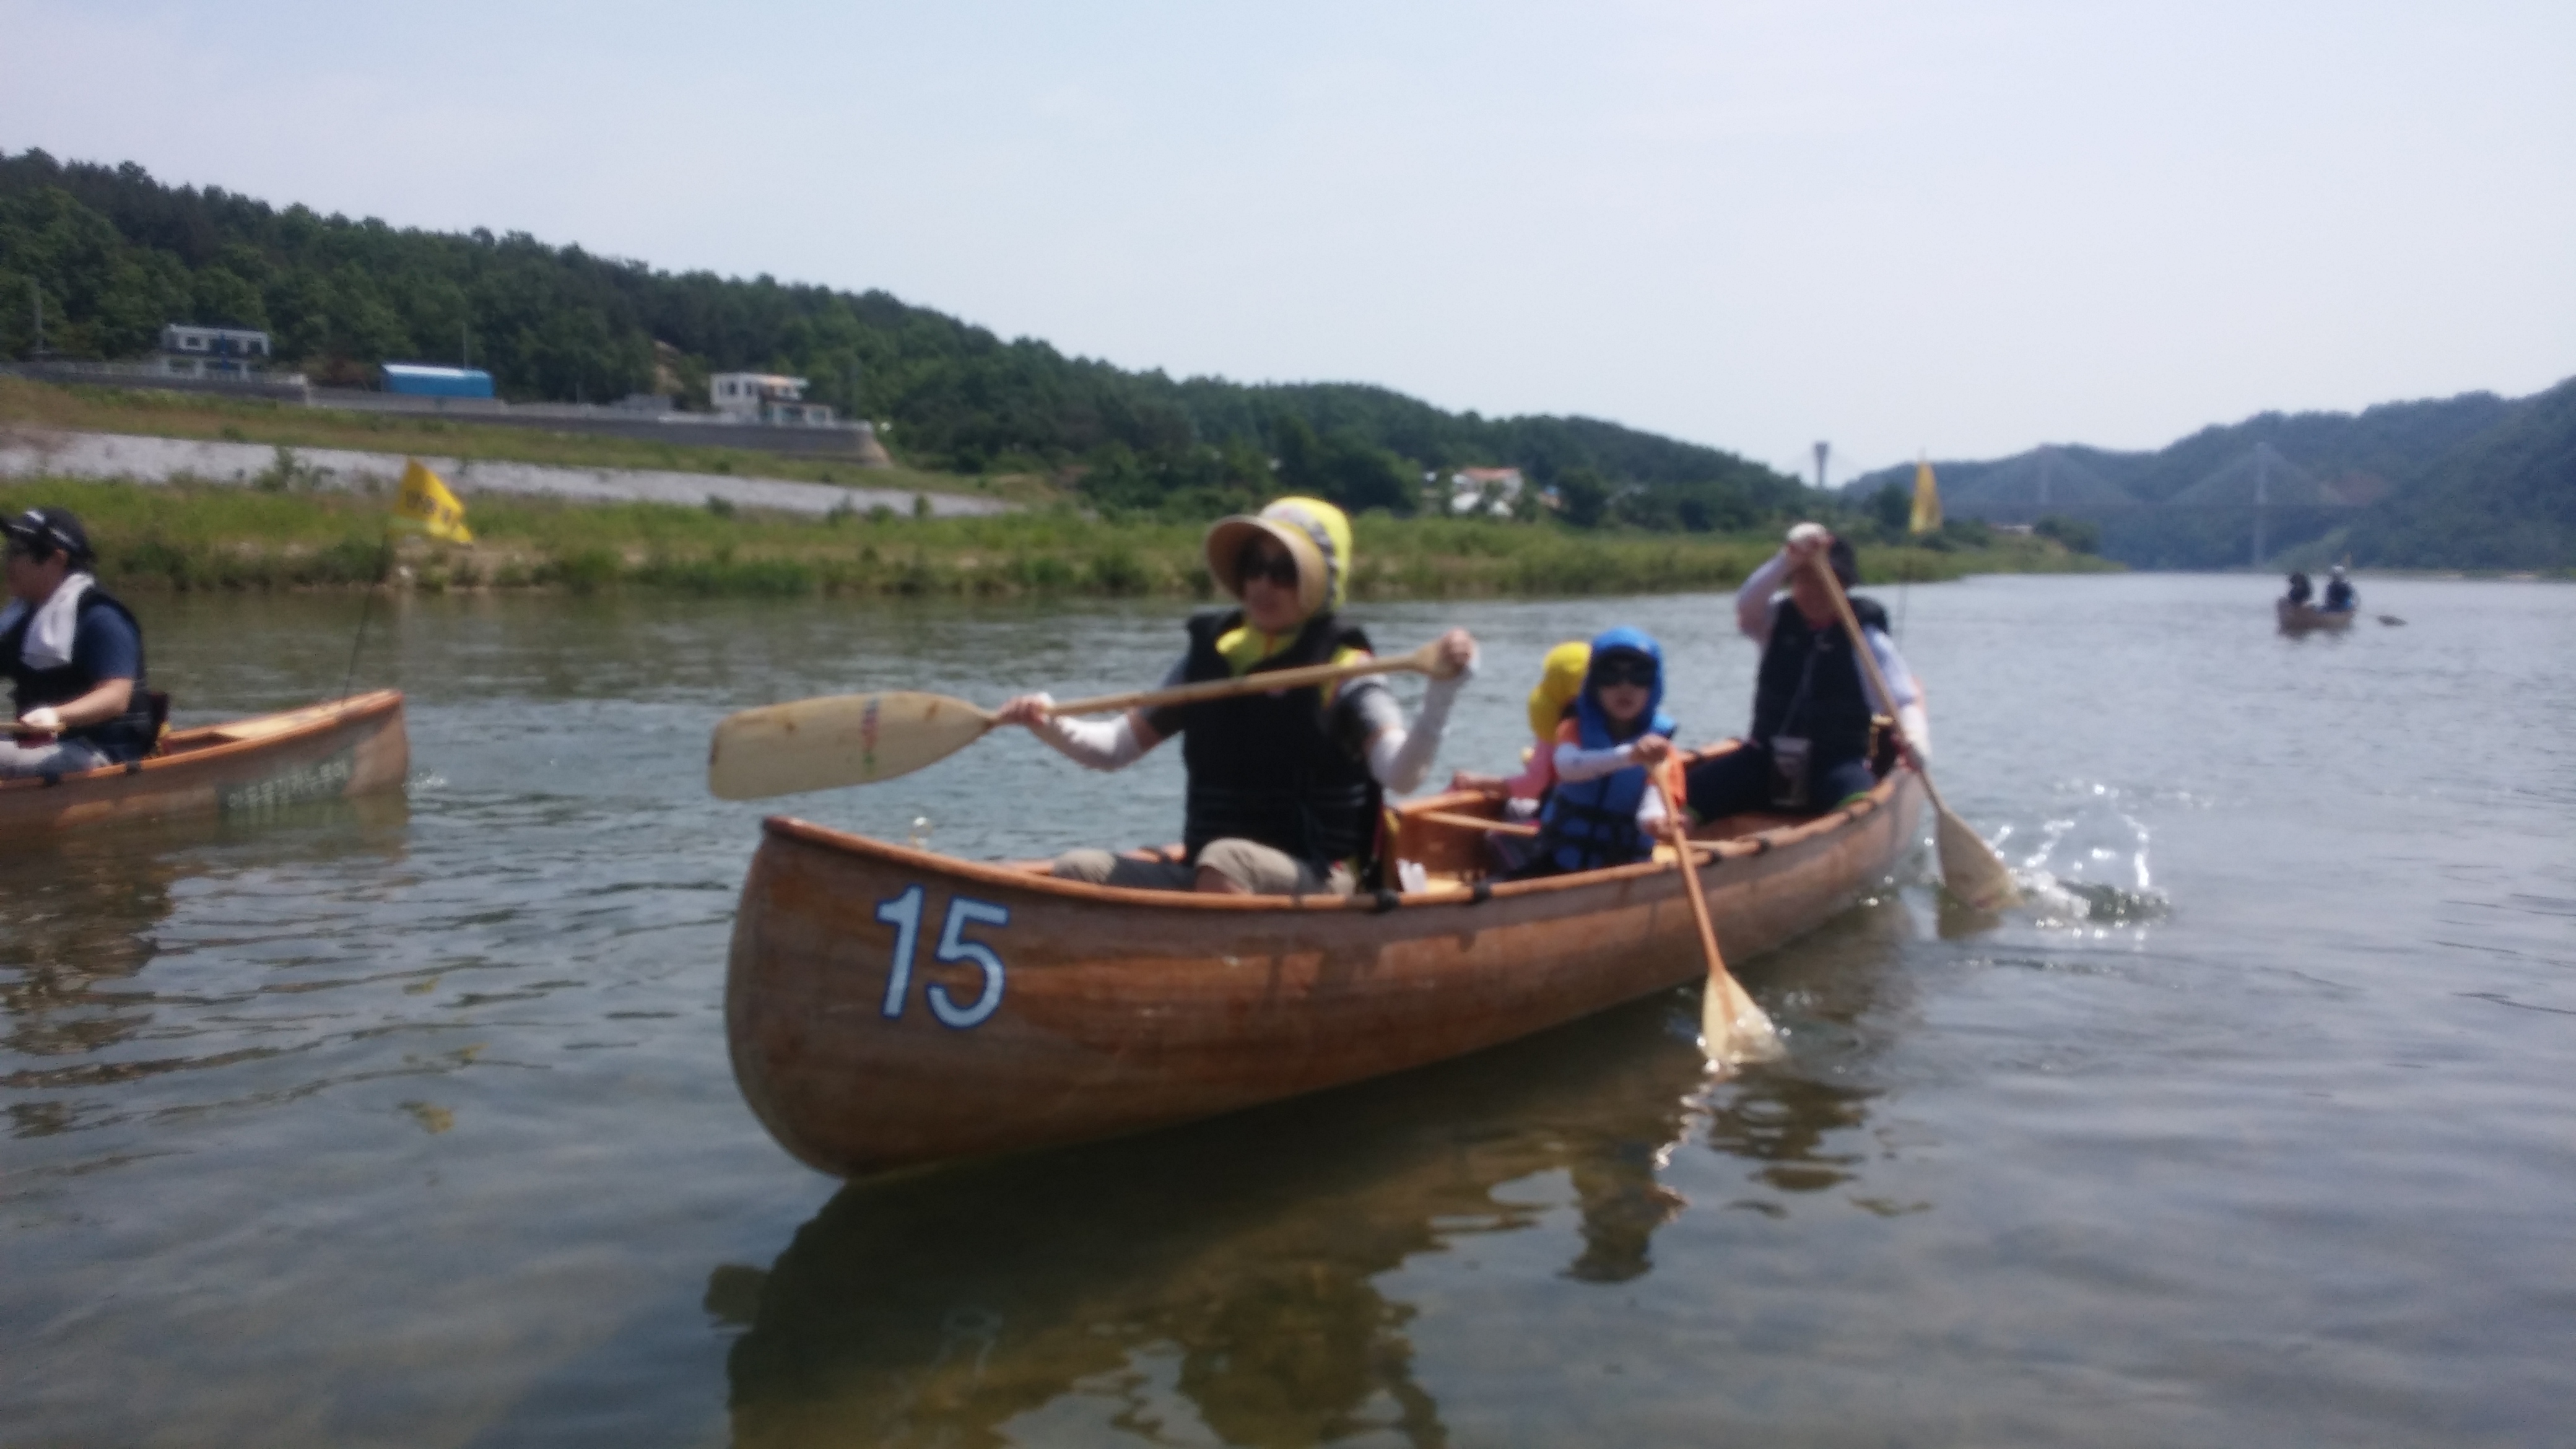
(1969, 866)
(1732, 1025)
(859, 739)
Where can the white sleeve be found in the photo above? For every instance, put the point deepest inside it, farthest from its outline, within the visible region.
(1891, 666)
(1575, 764)
(1917, 728)
(1909, 696)
(1106, 744)
(1753, 600)
(1400, 757)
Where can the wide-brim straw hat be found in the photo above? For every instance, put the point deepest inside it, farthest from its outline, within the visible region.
(1315, 533)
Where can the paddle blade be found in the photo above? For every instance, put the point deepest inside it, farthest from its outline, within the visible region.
(845, 739)
(1970, 868)
(1733, 1027)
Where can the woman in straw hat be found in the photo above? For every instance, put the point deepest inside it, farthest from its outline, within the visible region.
(1284, 788)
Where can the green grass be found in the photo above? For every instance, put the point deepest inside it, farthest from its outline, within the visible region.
(206, 536)
(260, 420)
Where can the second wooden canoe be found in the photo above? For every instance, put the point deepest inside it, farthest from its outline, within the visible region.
(322, 752)
(886, 1006)
(2303, 618)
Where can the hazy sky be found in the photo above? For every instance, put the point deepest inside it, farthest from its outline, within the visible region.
(1965, 227)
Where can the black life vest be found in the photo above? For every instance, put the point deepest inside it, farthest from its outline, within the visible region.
(1269, 767)
(1810, 686)
(126, 737)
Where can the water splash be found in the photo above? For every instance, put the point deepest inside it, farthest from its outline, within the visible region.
(2086, 865)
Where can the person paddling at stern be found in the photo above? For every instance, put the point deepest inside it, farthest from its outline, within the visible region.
(74, 655)
(1284, 788)
(1602, 812)
(1809, 748)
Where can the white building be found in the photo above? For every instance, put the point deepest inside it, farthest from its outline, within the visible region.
(766, 398)
(1469, 489)
(210, 351)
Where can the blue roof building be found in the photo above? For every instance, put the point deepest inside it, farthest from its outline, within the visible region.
(419, 379)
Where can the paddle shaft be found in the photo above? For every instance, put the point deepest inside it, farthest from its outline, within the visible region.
(1734, 1004)
(1683, 862)
(1425, 660)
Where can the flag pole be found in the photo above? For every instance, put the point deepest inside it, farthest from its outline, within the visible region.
(384, 556)
(424, 498)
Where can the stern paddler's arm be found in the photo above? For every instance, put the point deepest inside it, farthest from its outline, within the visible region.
(1907, 707)
(1753, 600)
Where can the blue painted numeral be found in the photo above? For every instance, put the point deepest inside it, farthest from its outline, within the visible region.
(903, 912)
(954, 948)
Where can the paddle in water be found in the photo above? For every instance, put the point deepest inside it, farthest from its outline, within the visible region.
(860, 739)
(1969, 866)
(1733, 1028)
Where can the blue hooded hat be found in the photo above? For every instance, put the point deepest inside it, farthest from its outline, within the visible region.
(1587, 705)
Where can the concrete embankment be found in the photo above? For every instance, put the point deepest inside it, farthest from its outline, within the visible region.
(28, 453)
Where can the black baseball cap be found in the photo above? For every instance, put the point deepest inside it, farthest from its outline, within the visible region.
(46, 531)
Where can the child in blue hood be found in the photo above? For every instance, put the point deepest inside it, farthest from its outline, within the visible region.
(1603, 810)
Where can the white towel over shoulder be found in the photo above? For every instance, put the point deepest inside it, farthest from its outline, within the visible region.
(49, 639)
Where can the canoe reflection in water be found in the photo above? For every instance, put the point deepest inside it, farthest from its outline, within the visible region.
(79, 921)
(1234, 1269)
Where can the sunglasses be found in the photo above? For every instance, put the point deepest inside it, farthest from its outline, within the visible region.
(1624, 669)
(1258, 563)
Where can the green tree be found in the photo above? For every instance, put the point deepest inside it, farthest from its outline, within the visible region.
(2076, 534)
(1586, 495)
(1893, 508)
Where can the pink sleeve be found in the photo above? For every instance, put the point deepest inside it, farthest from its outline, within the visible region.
(1534, 777)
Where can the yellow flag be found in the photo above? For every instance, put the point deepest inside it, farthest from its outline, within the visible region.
(1927, 500)
(425, 499)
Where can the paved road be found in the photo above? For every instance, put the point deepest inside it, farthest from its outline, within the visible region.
(27, 453)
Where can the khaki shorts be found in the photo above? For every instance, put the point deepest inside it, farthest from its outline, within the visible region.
(1255, 867)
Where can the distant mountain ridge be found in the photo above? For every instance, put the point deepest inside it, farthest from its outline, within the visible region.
(2474, 481)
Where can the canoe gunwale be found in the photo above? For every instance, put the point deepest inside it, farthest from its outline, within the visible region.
(325, 718)
(1713, 856)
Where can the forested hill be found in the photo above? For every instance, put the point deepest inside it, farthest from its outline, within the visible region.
(117, 254)
(2475, 481)
(2504, 499)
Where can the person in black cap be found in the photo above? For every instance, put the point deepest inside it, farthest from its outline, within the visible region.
(73, 653)
(1809, 747)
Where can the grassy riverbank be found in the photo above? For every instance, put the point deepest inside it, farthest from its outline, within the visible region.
(43, 407)
(204, 536)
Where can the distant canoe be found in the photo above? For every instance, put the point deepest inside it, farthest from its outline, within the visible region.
(2303, 618)
(322, 752)
(887, 1006)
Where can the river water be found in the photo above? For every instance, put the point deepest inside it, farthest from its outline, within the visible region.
(411, 1124)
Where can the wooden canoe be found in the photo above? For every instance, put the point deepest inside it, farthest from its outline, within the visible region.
(2301, 618)
(321, 752)
(887, 1006)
